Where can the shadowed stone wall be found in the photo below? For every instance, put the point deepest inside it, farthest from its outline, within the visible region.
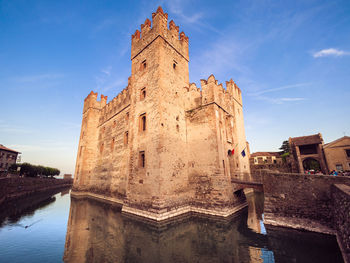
(299, 196)
(341, 213)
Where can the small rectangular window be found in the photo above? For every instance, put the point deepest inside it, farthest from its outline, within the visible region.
(142, 159)
(143, 122)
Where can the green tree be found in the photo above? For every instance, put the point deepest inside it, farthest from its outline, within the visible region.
(285, 148)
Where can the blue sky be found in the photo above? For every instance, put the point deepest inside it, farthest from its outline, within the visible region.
(291, 60)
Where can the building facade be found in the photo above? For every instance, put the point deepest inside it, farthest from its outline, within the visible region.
(265, 158)
(308, 153)
(163, 146)
(338, 154)
(7, 158)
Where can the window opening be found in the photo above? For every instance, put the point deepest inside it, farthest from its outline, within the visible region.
(143, 122)
(142, 159)
(143, 93)
(126, 138)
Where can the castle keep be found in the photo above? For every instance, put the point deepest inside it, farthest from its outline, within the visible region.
(162, 147)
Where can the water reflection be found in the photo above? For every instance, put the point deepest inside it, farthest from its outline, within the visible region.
(98, 232)
(13, 211)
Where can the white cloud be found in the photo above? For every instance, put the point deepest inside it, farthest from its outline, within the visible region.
(330, 52)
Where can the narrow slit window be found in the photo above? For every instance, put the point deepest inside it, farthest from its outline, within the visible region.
(112, 145)
(126, 138)
(101, 148)
(142, 159)
(144, 64)
(143, 94)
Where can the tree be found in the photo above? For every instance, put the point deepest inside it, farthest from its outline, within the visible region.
(285, 148)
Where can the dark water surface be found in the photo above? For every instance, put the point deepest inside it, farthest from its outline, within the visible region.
(98, 232)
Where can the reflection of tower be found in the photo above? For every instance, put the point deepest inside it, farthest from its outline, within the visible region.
(98, 232)
(253, 222)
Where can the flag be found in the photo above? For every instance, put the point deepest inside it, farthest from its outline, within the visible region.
(243, 153)
(232, 151)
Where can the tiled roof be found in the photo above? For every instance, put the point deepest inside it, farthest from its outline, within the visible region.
(277, 154)
(304, 140)
(2, 147)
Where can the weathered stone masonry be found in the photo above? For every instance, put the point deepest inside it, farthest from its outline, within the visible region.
(160, 148)
(319, 203)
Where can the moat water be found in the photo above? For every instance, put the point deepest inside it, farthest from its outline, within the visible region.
(99, 232)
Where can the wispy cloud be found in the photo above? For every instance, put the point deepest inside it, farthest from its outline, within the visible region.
(105, 81)
(330, 52)
(177, 8)
(293, 86)
(279, 100)
(37, 78)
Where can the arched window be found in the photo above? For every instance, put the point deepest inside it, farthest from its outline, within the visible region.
(143, 93)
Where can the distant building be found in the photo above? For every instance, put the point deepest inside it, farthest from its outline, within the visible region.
(308, 154)
(265, 158)
(338, 154)
(67, 176)
(7, 158)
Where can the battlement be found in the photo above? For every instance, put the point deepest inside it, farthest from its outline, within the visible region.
(117, 104)
(91, 101)
(234, 90)
(212, 91)
(159, 28)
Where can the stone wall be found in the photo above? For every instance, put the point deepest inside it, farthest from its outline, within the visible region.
(341, 213)
(294, 199)
(319, 203)
(13, 188)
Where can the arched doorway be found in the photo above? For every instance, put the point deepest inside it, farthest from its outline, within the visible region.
(311, 164)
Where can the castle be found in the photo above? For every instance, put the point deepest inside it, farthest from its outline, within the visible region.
(163, 147)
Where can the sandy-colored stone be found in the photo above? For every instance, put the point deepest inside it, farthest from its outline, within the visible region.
(180, 159)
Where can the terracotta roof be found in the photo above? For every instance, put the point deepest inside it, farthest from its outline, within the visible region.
(2, 147)
(277, 154)
(333, 142)
(304, 140)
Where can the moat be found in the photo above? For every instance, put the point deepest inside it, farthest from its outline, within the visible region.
(99, 232)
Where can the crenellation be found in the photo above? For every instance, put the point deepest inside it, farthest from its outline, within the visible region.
(162, 142)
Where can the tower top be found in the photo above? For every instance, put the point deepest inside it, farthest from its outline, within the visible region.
(159, 28)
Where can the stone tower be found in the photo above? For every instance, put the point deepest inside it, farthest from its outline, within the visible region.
(159, 71)
(162, 147)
